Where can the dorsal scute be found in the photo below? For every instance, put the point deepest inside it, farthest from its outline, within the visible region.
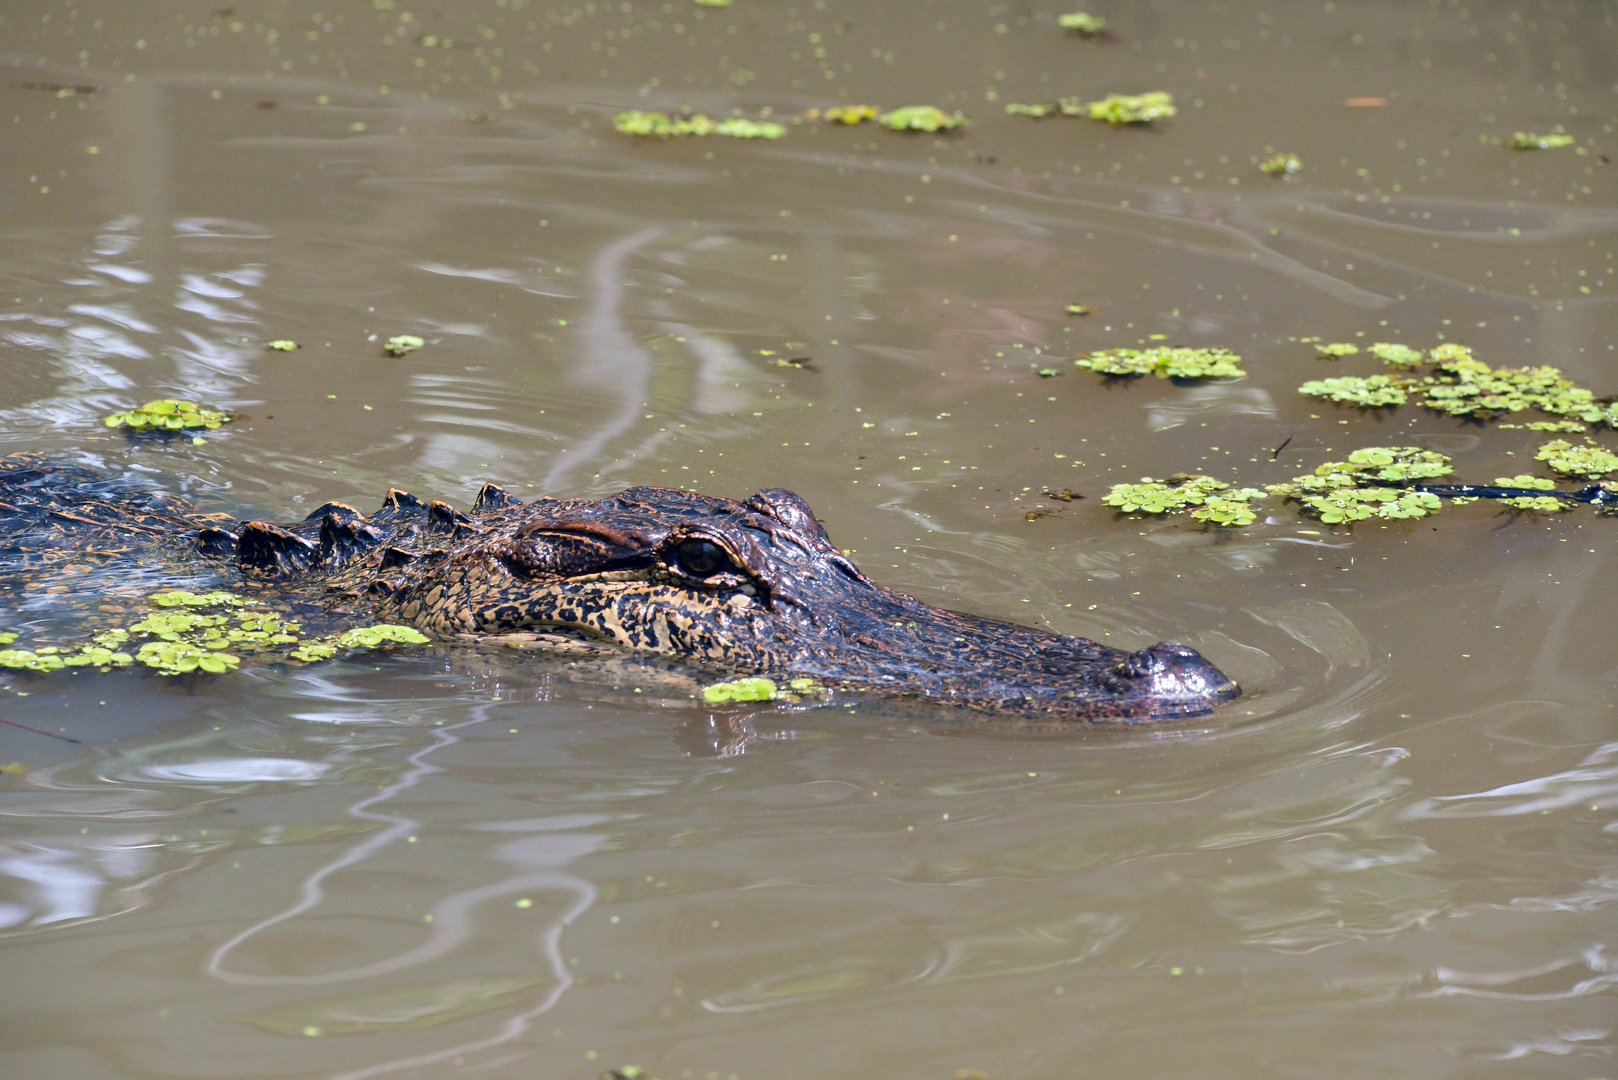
(262, 546)
(343, 539)
(441, 515)
(338, 510)
(494, 497)
(402, 502)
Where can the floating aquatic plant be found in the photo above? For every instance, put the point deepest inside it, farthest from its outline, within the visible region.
(169, 414)
(1336, 350)
(282, 345)
(1281, 164)
(921, 118)
(1164, 362)
(1035, 111)
(1400, 355)
(844, 114)
(402, 344)
(754, 689)
(661, 126)
(1118, 109)
(1368, 392)
(1082, 23)
(1528, 140)
(1208, 500)
(1589, 461)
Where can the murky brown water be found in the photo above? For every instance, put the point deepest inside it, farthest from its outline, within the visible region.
(1394, 857)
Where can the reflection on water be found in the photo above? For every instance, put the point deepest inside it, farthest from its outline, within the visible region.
(1393, 852)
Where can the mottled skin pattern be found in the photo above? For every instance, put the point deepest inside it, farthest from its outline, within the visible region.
(742, 588)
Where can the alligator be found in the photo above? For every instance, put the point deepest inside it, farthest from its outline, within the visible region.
(741, 588)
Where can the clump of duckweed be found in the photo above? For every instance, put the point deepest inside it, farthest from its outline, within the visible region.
(844, 114)
(282, 345)
(1165, 363)
(658, 125)
(1343, 492)
(1082, 23)
(1398, 355)
(921, 118)
(1206, 499)
(1368, 392)
(190, 633)
(1528, 140)
(169, 414)
(1281, 164)
(1589, 461)
(1119, 109)
(402, 344)
(1038, 112)
(754, 689)
(1461, 385)
(1571, 427)
(1542, 504)
(7, 637)
(1336, 350)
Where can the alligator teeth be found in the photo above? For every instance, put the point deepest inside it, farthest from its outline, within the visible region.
(270, 547)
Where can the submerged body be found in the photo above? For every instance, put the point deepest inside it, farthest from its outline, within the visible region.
(753, 587)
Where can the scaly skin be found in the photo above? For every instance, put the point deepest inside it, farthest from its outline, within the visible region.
(754, 587)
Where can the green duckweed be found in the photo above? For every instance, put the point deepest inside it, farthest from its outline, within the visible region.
(1368, 391)
(1119, 109)
(402, 344)
(1281, 164)
(1400, 355)
(1082, 23)
(658, 125)
(282, 345)
(1589, 461)
(1542, 504)
(1336, 350)
(1165, 363)
(754, 689)
(1528, 140)
(7, 637)
(1208, 500)
(369, 637)
(168, 414)
(1036, 111)
(921, 118)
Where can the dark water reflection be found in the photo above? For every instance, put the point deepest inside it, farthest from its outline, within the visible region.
(1393, 857)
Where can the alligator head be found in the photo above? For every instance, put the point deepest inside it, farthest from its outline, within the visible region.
(752, 587)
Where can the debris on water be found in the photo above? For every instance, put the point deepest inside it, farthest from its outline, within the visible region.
(1080, 309)
(169, 414)
(921, 118)
(282, 345)
(844, 114)
(402, 344)
(1281, 164)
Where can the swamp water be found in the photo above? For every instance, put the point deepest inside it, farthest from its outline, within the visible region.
(1395, 856)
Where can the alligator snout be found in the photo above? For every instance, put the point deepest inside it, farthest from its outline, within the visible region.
(1167, 673)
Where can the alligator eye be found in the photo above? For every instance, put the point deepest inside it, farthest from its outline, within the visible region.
(701, 558)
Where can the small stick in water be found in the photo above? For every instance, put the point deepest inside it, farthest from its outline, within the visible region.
(42, 731)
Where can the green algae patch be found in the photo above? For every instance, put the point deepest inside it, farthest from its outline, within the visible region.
(1082, 23)
(1281, 164)
(1117, 109)
(1589, 461)
(921, 118)
(169, 414)
(1336, 350)
(1207, 500)
(402, 344)
(1528, 140)
(1397, 355)
(741, 690)
(282, 345)
(1164, 362)
(1367, 391)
